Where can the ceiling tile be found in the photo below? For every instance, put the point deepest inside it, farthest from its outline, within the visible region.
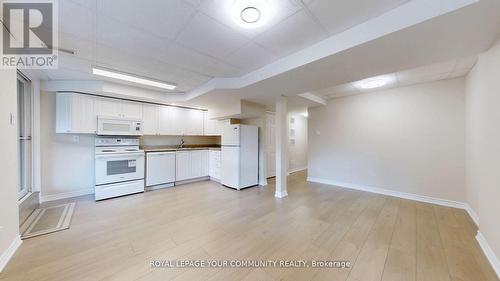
(76, 20)
(250, 57)
(195, 61)
(149, 67)
(208, 36)
(223, 11)
(291, 35)
(113, 33)
(337, 16)
(161, 18)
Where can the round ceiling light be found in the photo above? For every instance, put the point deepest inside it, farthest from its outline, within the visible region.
(374, 82)
(250, 15)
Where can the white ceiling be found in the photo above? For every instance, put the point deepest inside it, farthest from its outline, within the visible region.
(434, 72)
(189, 42)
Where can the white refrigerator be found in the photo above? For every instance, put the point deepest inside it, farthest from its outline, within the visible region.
(240, 156)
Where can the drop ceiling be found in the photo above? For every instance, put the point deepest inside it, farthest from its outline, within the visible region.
(309, 45)
(189, 42)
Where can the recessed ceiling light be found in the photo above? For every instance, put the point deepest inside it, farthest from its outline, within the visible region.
(251, 13)
(132, 78)
(374, 82)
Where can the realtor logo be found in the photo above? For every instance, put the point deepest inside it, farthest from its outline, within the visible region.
(29, 34)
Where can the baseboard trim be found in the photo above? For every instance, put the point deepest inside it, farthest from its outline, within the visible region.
(488, 252)
(65, 195)
(297, 170)
(388, 192)
(11, 250)
(472, 214)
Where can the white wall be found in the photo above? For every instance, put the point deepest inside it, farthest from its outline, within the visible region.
(9, 216)
(483, 144)
(68, 166)
(297, 153)
(409, 139)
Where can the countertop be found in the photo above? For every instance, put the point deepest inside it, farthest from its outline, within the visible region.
(175, 148)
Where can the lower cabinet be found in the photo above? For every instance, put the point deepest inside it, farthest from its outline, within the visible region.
(192, 164)
(214, 164)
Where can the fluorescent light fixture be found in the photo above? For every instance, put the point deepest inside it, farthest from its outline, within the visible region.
(305, 114)
(132, 78)
(251, 13)
(374, 82)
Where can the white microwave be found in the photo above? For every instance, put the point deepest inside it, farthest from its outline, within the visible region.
(113, 126)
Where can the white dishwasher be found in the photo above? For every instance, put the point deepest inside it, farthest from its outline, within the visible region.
(160, 169)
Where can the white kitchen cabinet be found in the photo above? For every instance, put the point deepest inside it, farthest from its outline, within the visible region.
(118, 108)
(183, 165)
(214, 164)
(193, 122)
(192, 164)
(131, 110)
(170, 120)
(150, 119)
(75, 113)
(210, 127)
(160, 168)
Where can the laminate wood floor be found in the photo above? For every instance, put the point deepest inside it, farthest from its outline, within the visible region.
(384, 238)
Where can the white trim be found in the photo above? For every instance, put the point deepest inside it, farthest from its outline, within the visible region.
(488, 252)
(410, 196)
(9, 252)
(58, 196)
(281, 194)
(472, 214)
(297, 170)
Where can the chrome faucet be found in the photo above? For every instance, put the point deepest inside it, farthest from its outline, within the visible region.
(182, 144)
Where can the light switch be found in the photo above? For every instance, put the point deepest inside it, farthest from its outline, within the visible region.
(318, 132)
(76, 139)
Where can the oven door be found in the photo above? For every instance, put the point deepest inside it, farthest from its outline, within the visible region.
(120, 167)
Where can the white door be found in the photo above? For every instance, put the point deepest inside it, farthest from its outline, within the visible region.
(150, 119)
(231, 135)
(160, 168)
(183, 165)
(230, 168)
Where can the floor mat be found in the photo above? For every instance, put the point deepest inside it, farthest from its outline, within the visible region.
(47, 220)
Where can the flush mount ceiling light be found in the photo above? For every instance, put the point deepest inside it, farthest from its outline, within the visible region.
(132, 78)
(250, 13)
(373, 83)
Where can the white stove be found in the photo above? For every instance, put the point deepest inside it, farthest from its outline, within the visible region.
(119, 167)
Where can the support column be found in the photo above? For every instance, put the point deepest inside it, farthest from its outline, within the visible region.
(281, 129)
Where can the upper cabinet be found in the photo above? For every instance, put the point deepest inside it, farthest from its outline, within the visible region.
(75, 113)
(194, 122)
(150, 119)
(117, 108)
